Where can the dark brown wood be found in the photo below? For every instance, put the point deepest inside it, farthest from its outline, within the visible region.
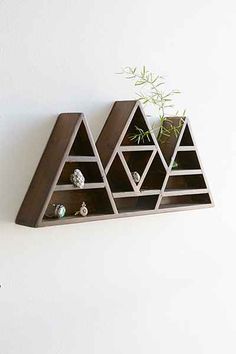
(171, 176)
(185, 185)
(70, 136)
(173, 168)
(112, 129)
(97, 201)
(169, 144)
(47, 171)
(128, 156)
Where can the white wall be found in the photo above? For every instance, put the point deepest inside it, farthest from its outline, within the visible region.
(157, 284)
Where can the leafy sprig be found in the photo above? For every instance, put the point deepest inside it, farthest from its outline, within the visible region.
(151, 93)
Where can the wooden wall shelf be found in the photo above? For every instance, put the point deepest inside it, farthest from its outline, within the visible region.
(110, 191)
(172, 177)
(70, 146)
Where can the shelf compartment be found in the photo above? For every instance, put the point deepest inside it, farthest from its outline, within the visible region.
(96, 200)
(67, 187)
(169, 145)
(137, 121)
(155, 175)
(81, 144)
(186, 138)
(132, 204)
(90, 171)
(136, 194)
(186, 160)
(137, 160)
(117, 177)
(185, 182)
(184, 201)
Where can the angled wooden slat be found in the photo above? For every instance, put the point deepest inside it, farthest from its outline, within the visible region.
(126, 167)
(146, 169)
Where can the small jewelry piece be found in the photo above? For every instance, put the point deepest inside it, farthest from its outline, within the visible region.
(59, 211)
(136, 176)
(77, 179)
(83, 210)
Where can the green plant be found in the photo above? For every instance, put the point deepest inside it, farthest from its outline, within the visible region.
(152, 93)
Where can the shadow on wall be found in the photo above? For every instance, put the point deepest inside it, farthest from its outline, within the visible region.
(21, 149)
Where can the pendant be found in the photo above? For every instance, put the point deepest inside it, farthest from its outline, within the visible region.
(83, 210)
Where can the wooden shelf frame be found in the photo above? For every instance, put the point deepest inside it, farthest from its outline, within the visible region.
(70, 131)
(110, 144)
(109, 187)
(185, 136)
(117, 143)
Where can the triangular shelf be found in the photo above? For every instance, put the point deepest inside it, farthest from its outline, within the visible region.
(171, 173)
(70, 147)
(185, 186)
(145, 159)
(138, 120)
(82, 145)
(171, 176)
(123, 182)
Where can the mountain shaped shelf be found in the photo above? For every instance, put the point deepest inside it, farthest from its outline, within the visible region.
(170, 176)
(121, 157)
(70, 146)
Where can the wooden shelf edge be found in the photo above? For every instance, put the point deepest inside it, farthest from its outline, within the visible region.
(137, 148)
(76, 220)
(186, 207)
(136, 194)
(179, 192)
(81, 159)
(69, 187)
(185, 172)
(186, 148)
